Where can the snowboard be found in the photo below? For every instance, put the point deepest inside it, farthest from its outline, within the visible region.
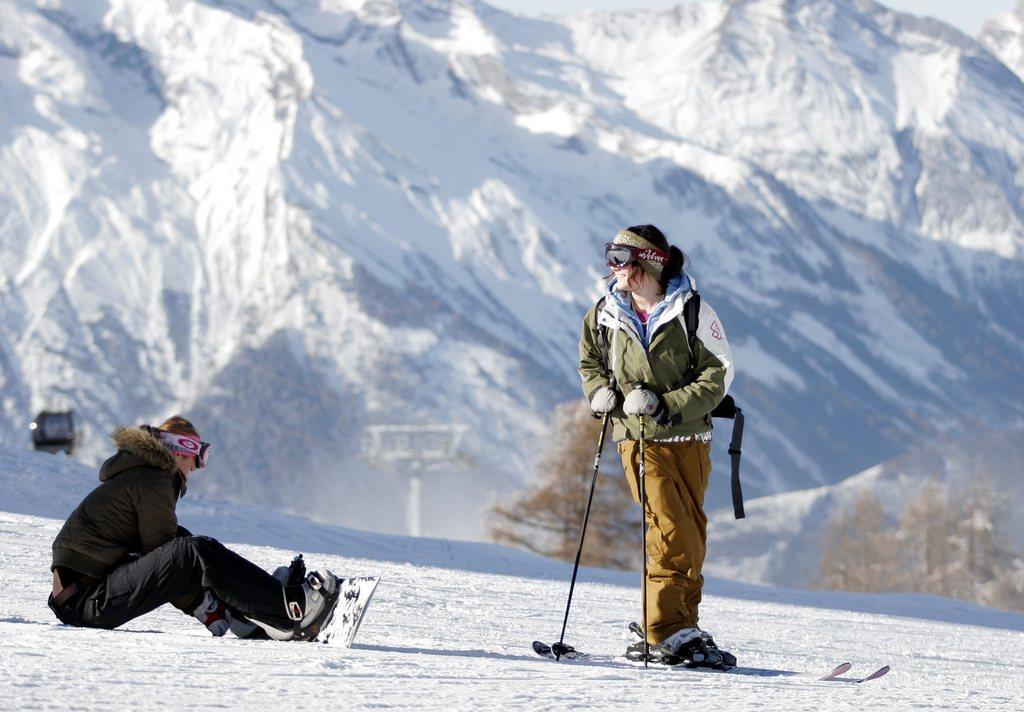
(350, 605)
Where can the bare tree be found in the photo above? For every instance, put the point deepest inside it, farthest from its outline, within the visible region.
(993, 570)
(983, 548)
(944, 545)
(1008, 587)
(930, 526)
(547, 517)
(862, 554)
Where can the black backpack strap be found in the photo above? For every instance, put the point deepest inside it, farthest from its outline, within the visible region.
(728, 409)
(691, 319)
(602, 332)
(602, 341)
(735, 450)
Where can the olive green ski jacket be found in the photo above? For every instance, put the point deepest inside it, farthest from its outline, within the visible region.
(659, 356)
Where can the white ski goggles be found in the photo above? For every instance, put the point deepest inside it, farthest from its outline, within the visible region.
(187, 445)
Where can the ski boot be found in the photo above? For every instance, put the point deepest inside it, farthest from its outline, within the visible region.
(728, 659)
(688, 647)
(635, 648)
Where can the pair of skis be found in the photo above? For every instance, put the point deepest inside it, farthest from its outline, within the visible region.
(566, 652)
(845, 667)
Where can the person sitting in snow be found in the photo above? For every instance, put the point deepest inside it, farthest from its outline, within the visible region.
(122, 554)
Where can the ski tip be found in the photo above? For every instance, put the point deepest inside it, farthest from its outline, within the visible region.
(876, 674)
(542, 649)
(836, 671)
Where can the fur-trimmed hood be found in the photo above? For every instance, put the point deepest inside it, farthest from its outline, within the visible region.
(138, 447)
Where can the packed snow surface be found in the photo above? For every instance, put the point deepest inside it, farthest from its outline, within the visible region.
(451, 624)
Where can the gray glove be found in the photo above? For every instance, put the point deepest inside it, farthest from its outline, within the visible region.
(643, 401)
(604, 400)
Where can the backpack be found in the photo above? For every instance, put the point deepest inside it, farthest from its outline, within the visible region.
(690, 319)
(726, 409)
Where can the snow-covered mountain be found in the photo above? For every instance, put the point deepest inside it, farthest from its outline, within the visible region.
(1003, 36)
(784, 538)
(450, 628)
(293, 219)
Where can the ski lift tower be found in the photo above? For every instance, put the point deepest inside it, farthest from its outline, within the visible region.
(417, 447)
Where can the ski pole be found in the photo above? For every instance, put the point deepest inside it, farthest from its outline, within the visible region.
(559, 649)
(643, 534)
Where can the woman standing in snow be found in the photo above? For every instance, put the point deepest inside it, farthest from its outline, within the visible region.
(636, 361)
(121, 553)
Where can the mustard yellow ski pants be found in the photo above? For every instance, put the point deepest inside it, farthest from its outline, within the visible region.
(676, 477)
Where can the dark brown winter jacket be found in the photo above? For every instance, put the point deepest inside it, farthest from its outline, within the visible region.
(130, 512)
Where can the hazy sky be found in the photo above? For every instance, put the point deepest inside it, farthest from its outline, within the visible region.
(968, 15)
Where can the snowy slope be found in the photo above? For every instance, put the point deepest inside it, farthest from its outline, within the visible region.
(293, 220)
(450, 627)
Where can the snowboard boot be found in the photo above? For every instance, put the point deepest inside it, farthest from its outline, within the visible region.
(213, 614)
(688, 646)
(293, 574)
(314, 600)
(728, 659)
(245, 629)
(309, 603)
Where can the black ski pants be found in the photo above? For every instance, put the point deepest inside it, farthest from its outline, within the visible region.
(178, 572)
